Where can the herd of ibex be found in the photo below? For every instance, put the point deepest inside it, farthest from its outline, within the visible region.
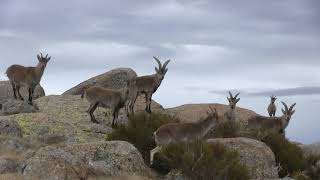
(126, 97)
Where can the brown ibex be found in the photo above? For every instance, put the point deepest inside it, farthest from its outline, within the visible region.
(230, 115)
(272, 107)
(276, 124)
(107, 98)
(27, 76)
(182, 132)
(147, 85)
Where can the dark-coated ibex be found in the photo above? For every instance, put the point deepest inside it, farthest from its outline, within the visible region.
(147, 85)
(272, 107)
(107, 98)
(182, 132)
(27, 76)
(276, 124)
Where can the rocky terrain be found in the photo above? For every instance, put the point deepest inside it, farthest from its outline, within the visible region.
(56, 140)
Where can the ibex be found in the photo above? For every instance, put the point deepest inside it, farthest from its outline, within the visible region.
(147, 85)
(27, 76)
(182, 132)
(276, 124)
(107, 98)
(272, 107)
(230, 115)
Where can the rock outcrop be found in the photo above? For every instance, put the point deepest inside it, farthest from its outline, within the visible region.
(13, 106)
(6, 91)
(114, 79)
(311, 149)
(113, 158)
(257, 156)
(9, 127)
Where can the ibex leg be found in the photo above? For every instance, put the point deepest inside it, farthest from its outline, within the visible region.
(20, 96)
(91, 110)
(153, 152)
(14, 90)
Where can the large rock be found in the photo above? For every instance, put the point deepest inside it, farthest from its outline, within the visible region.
(114, 79)
(257, 156)
(6, 91)
(9, 127)
(311, 149)
(195, 112)
(12, 106)
(113, 158)
(8, 165)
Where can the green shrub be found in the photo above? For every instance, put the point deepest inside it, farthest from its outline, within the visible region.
(287, 154)
(139, 132)
(313, 166)
(199, 160)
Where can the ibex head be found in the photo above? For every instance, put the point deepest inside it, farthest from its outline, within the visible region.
(273, 99)
(288, 112)
(43, 60)
(161, 70)
(233, 100)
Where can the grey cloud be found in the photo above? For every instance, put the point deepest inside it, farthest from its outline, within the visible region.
(298, 91)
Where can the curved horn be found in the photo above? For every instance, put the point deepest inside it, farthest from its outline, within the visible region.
(165, 64)
(285, 106)
(231, 95)
(236, 95)
(292, 106)
(158, 61)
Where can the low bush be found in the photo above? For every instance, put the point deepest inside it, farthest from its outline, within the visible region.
(199, 160)
(139, 132)
(313, 166)
(288, 155)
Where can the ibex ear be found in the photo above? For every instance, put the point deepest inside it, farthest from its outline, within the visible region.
(228, 99)
(157, 70)
(292, 112)
(48, 58)
(39, 58)
(283, 111)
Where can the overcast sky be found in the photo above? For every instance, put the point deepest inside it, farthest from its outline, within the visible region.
(255, 47)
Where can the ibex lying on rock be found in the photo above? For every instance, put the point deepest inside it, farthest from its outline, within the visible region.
(276, 124)
(27, 76)
(147, 85)
(230, 115)
(107, 98)
(272, 107)
(182, 132)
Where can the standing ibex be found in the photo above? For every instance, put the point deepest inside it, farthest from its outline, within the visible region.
(272, 107)
(27, 76)
(107, 98)
(276, 124)
(230, 115)
(147, 85)
(182, 132)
